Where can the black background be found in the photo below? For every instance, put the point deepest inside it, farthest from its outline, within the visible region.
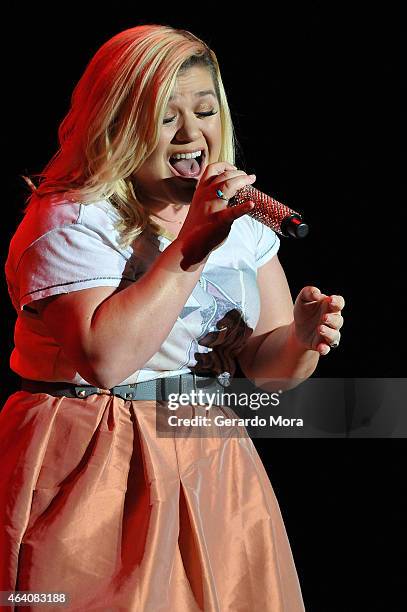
(317, 93)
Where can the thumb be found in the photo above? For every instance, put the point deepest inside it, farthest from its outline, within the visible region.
(310, 294)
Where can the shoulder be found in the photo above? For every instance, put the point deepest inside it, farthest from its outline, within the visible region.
(49, 214)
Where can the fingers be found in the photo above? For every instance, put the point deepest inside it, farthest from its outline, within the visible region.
(214, 170)
(227, 178)
(329, 330)
(333, 320)
(324, 318)
(323, 349)
(222, 177)
(234, 212)
(230, 183)
(332, 323)
(336, 303)
(329, 335)
(226, 216)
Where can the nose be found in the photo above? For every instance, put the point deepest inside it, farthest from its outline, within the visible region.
(189, 130)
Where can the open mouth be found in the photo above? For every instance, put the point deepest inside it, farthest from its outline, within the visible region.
(188, 168)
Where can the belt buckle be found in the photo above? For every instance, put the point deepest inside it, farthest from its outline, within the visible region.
(224, 379)
(85, 391)
(126, 392)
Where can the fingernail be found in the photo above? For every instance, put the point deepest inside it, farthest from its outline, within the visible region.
(252, 175)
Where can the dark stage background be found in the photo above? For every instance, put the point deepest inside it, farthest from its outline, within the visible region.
(318, 99)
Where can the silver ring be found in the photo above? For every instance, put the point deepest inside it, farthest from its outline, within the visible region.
(334, 344)
(221, 195)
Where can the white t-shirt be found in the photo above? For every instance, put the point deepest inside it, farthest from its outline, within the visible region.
(62, 246)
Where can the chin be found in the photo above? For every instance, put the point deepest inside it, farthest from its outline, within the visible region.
(180, 187)
(184, 196)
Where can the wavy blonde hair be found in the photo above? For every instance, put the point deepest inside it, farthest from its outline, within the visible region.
(114, 122)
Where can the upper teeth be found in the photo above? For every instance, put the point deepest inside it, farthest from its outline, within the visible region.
(186, 155)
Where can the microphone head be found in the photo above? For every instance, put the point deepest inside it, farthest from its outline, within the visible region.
(294, 226)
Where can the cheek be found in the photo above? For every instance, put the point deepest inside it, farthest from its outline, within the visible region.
(152, 167)
(215, 136)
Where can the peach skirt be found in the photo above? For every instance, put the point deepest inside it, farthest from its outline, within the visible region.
(94, 504)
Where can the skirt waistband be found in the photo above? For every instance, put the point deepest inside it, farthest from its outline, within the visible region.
(157, 389)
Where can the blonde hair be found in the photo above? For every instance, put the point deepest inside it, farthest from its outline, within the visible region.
(114, 121)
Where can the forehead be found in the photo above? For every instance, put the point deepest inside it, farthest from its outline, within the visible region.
(193, 83)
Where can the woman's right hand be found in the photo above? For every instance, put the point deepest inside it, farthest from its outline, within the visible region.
(209, 218)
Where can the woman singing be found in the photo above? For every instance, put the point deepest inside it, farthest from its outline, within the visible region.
(133, 279)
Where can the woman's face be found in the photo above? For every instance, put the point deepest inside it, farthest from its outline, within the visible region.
(191, 124)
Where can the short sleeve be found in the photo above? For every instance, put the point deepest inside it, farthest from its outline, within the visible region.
(267, 245)
(67, 259)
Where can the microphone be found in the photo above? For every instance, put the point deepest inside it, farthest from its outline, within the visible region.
(272, 213)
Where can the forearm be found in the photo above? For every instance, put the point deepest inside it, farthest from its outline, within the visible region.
(281, 361)
(129, 327)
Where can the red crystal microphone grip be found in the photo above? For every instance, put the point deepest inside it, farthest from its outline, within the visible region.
(272, 213)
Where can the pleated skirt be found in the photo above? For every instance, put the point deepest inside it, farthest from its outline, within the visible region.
(96, 505)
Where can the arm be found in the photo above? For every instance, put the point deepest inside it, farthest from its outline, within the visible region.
(285, 347)
(112, 333)
(107, 333)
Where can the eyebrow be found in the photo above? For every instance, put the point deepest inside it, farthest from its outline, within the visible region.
(198, 94)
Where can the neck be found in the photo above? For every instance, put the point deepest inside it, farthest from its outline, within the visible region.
(174, 214)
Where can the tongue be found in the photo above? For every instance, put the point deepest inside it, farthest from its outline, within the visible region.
(187, 167)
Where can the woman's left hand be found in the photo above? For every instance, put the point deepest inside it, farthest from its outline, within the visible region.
(318, 319)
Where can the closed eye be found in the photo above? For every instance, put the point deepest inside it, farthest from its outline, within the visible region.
(208, 114)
